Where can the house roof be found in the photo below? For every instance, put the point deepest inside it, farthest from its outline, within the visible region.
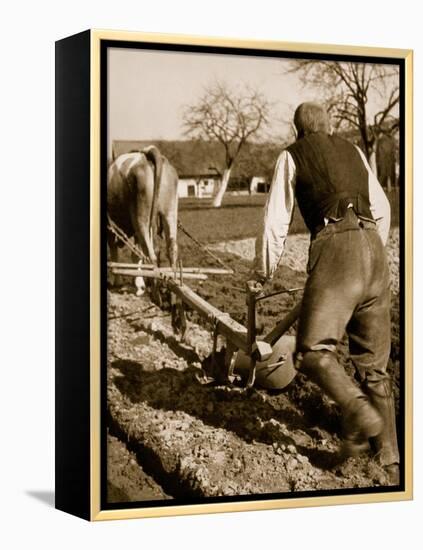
(200, 158)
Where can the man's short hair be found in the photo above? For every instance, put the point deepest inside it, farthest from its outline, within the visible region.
(311, 117)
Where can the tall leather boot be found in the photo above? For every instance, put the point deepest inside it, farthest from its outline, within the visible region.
(386, 443)
(360, 419)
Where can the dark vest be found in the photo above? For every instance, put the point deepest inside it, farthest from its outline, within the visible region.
(330, 175)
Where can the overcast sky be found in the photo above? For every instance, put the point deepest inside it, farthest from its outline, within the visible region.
(149, 89)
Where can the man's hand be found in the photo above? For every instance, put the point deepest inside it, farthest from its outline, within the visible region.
(255, 287)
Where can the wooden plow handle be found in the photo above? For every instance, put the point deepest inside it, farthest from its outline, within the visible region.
(284, 324)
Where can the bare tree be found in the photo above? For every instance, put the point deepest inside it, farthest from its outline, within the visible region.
(346, 88)
(230, 118)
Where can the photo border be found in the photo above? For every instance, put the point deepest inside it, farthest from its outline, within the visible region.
(100, 41)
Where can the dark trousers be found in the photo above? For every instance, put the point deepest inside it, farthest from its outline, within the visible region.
(348, 290)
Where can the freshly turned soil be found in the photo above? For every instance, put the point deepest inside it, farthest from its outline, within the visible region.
(208, 441)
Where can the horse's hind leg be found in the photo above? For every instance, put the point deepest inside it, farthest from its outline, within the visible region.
(139, 281)
(142, 239)
(170, 229)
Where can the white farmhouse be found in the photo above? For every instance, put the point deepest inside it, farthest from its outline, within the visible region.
(259, 184)
(199, 186)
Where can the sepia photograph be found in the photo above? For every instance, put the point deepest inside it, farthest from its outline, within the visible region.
(253, 241)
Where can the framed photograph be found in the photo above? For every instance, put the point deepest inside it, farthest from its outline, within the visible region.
(233, 275)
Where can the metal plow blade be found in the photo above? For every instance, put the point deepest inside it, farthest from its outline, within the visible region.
(276, 372)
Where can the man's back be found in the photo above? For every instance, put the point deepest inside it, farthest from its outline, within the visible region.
(330, 176)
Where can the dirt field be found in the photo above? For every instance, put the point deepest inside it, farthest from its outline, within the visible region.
(127, 480)
(200, 441)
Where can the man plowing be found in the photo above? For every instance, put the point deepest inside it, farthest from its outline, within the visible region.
(348, 285)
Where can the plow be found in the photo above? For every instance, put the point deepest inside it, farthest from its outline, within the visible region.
(267, 362)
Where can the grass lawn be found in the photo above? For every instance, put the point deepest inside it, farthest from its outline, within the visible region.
(240, 217)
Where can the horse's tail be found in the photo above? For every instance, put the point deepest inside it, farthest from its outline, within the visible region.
(154, 156)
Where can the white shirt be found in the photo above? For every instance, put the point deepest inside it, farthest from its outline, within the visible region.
(280, 206)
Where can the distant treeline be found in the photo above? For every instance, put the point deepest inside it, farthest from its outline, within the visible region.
(199, 158)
